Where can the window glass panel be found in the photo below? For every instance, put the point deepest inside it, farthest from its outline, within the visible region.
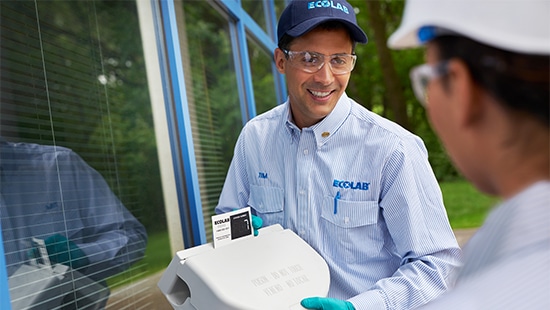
(261, 64)
(79, 168)
(255, 8)
(212, 97)
(279, 7)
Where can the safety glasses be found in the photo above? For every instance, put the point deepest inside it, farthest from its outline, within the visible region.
(422, 75)
(312, 62)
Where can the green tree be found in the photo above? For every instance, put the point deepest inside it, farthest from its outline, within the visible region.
(381, 82)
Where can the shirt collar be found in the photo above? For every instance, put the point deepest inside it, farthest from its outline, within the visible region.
(326, 127)
(291, 128)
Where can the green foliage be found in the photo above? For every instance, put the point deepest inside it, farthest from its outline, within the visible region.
(100, 99)
(466, 206)
(367, 83)
(129, 119)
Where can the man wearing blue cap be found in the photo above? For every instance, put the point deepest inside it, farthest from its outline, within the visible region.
(356, 187)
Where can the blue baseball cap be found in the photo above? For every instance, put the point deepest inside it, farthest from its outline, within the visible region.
(302, 16)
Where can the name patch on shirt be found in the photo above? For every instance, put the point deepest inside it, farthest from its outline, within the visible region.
(351, 185)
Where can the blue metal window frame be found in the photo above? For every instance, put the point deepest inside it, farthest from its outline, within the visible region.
(181, 139)
(240, 23)
(5, 300)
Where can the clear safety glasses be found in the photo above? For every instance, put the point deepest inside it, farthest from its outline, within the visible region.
(312, 62)
(422, 75)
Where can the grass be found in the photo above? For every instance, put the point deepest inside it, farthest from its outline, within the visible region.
(466, 206)
(158, 254)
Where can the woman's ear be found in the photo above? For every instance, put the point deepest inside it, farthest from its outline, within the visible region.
(464, 93)
(279, 57)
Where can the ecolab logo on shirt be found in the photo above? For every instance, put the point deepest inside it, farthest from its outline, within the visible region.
(352, 185)
(327, 4)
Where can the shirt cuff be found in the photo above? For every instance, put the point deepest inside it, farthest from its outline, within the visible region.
(370, 300)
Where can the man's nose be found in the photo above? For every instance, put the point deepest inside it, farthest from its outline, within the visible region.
(324, 75)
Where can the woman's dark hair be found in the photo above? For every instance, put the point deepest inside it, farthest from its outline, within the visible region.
(520, 81)
(286, 40)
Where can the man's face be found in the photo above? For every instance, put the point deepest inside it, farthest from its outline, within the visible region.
(314, 95)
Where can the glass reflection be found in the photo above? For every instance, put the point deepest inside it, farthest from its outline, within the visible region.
(64, 231)
(212, 97)
(262, 78)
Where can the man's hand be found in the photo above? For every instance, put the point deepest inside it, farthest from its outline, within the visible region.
(321, 303)
(257, 223)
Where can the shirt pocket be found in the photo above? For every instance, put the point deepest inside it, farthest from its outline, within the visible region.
(353, 234)
(268, 202)
(350, 214)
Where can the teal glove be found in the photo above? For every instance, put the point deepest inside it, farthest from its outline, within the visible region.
(58, 250)
(257, 223)
(321, 303)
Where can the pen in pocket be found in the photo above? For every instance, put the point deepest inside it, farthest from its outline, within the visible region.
(336, 202)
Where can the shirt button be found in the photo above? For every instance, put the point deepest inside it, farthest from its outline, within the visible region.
(302, 192)
(306, 152)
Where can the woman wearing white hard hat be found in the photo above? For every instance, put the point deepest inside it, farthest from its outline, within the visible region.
(486, 87)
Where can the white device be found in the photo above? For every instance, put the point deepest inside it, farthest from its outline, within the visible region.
(274, 270)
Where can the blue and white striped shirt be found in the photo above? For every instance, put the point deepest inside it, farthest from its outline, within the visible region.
(506, 263)
(359, 189)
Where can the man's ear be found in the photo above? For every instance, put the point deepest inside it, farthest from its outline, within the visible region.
(466, 95)
(279, 57)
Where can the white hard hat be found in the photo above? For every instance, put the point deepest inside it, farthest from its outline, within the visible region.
(521, 26)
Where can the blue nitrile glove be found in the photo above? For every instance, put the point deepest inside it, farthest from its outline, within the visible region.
(58, 247)
(257, 223)
(321, 303)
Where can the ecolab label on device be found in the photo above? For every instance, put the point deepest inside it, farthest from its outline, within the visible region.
(232, 225)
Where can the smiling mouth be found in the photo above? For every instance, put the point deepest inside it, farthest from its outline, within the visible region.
(320, 94)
